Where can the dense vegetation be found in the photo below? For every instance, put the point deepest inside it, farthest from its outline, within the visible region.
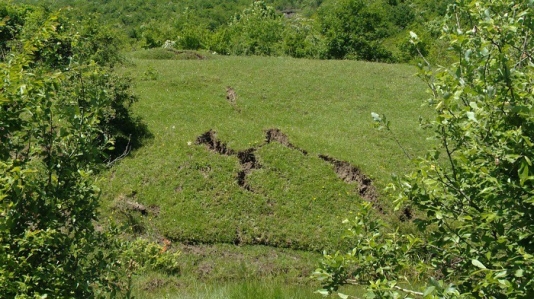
(235, 187)
(474, 190)
(331, 29)
(62, 109)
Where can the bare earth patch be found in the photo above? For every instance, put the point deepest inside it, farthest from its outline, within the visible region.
(246, 158)
(352, 174)
(248, 161)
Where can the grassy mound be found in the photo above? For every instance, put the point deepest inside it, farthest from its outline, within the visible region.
(168, 54)
(254, 151)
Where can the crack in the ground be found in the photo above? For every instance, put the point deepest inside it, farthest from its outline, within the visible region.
(350, 174)
(277, 135)
(246, 158)
(248, 162)
(210, 139)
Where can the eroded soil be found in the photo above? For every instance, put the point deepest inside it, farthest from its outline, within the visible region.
(247, 158)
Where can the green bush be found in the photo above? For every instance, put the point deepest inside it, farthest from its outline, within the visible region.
(60, 112)
(256, 31)
(48, 202)
(12, 20)
(354, 29)
(302, 39)
(473, 192)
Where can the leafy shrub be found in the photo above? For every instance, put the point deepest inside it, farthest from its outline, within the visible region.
(474, 190)
(150, 256)
(154, 34)
(48, 200)
(193, 37)
(59, 113)
(12, 20)
(256, 31)
(354, 29)
(302, 39)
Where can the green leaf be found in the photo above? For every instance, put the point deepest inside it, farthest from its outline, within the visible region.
(478, 264)
(519, 273)
(429, 291)
(528, 161)
(467, 54)
(342, 296)
(471, 116)
(501, 274)
(523, 173)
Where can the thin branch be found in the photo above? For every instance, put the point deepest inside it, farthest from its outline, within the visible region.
(424, 59)
(400, 145)
(449, 153)
(127, 150)
(408, 291)
(354, 282)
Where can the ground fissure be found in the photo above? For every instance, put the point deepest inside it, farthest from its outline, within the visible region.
(247, 158)
(352, 174)
(248, 161)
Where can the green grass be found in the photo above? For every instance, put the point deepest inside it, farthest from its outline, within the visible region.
(239, 290)
(294, 203)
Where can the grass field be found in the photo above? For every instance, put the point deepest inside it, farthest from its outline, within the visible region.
(257, 189)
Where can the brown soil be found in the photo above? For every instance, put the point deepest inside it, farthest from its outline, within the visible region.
(248, 161)
(407, 214)
(246, 158)
(277, 136)
(352, 174)
(210, 139)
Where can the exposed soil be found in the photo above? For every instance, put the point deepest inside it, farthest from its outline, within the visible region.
(407, 214)
(248, 161)
(126, 204)
(210, 139)
(277, 136)
(352, 174)
(246, 158)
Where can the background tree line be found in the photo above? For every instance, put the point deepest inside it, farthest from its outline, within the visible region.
(324, 29)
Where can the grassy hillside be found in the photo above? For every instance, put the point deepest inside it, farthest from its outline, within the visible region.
(272, 175)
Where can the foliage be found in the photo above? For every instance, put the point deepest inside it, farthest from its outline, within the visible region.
(195, 189)
(354, 29)
(11, 22)
(49, 246)
(85, 53)
(302, 39)
(58, 116)
(376, 34)
(150, 256)
(255, 31)
(474, 190)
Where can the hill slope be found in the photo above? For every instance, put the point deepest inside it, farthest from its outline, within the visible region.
(278, 164)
